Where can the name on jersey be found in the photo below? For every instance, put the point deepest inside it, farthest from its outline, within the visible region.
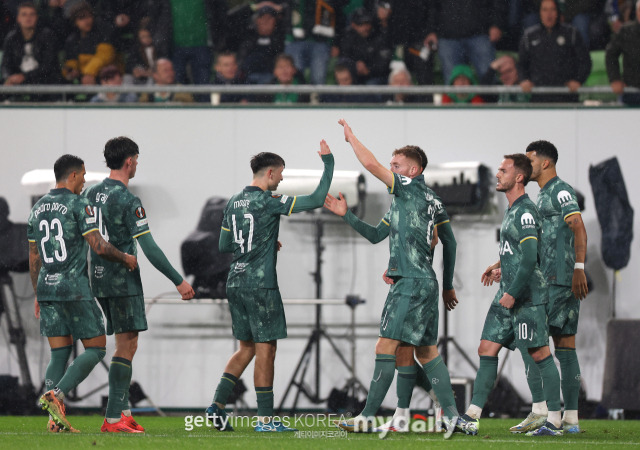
(101, 197)
(55, 206)
(241, 203)
(505, 248)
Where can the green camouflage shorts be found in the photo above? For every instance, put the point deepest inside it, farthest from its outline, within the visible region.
(257, 314)
(564, 310)
(410, 313)
(124, 313)
(81, 319)
(522, 326)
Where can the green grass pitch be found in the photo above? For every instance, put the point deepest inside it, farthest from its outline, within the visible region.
(29, 432)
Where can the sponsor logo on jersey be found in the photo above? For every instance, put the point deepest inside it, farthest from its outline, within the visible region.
(142, 222)
(527, 221)
(140, 212)
(505, 248)
(564, 197)
(284, 198)
(404, 180)
(240, 267)
(52, 279)
(98, 271)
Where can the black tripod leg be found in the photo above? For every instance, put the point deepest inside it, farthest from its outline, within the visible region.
(304, 360)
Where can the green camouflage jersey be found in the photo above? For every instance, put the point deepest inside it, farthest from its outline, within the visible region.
(440, 215)
(411, 220)
(521, 222)
(121, 219)
(557, 201)
(253, 218)
(57, 224)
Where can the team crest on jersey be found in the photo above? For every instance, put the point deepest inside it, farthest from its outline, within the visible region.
(140, 212)
(527, 221)
(564, 197)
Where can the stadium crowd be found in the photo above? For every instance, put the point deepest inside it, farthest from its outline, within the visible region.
(529, 43)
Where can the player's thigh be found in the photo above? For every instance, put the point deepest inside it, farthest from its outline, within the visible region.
(411, 308)
(124, 313)
(530, 326)
(564, 311)
(498, 326)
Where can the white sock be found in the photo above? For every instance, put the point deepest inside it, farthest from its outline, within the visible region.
(570, 417)
(433, 396)
(540, 408)
(126, 412)
(59, 394)
(109, 420)
(554, 418)
(474, 411)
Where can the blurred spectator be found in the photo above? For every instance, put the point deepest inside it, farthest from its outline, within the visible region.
(189, 30)
(88, 49)
(28, 53)
(286, 74)
(110, 76)
(587, 16)
(260, 48)
(241, 20)
(227, 72)
(465, 31)
(314, 35)
(627, 44)
(56, 14)
(344, 73)
(405, 22)
(552, 54)
(462, 75)
(141, 58)
(124, 17)
(164, 75)
(402, 77)
(619, 12)
(505, 70)
(369, 50)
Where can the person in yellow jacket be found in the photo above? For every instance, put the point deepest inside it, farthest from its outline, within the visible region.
(87, 49)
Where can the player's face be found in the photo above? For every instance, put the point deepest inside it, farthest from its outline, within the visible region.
(402, 165)
(506, 176)
(275, 178)
(133, 167)
(78, 182)
(536, 163)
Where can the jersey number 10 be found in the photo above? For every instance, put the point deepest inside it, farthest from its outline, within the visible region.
(237, 233)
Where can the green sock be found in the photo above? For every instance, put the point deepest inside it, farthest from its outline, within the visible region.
(80, 368)
(404, 384)
(533, 377)
(438, 374)
(265, 400)
(119, 376)
(570, 369)
(550, 382)
(383, 372)
(485, 379)
(56, 367)
(421, 378)
(225, 387)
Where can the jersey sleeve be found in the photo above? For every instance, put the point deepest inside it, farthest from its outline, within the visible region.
(85, 216)
(526, 225)
(440, 215)
(31, 235)
(282, 204)
(135, 218)
(399, 184)
(564, 198)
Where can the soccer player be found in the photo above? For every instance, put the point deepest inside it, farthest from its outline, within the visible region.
(517, 316)
(60, 225)
(250, 230)
(562, 255)
(409, 372)
(122, 221)
(410, 314)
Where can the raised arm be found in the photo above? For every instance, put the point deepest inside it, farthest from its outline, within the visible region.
(579, 282)
(365, 156)
(108, 251)
(316, 198)
(369, 232)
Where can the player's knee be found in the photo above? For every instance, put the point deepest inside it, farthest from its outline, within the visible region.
(97, 352)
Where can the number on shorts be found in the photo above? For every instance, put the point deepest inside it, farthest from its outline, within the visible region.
(55, 226)
(523, 332)
(237, 233)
